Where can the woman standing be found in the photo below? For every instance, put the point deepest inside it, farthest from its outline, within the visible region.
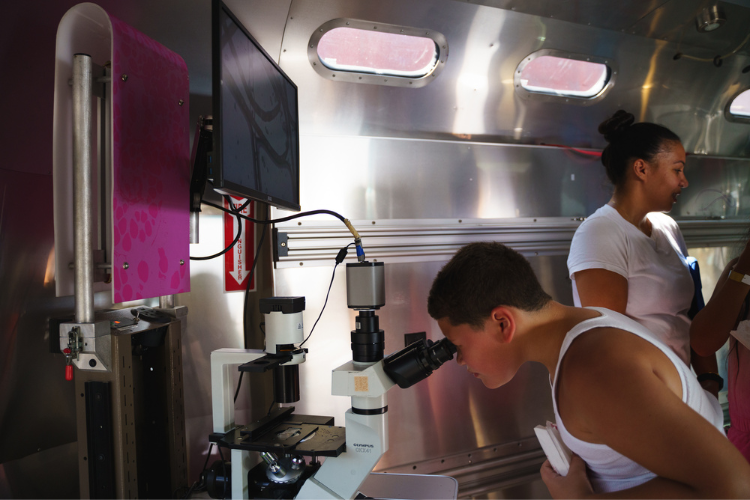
(629, 256)
(729, 309)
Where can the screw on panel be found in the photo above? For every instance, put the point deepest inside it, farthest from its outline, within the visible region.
(124, 78)
(182, 262)
(180, 102)
(283, 243)
(125, 265)
(347, 23)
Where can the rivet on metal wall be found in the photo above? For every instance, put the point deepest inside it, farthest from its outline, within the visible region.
(301, 263)
(180, 102)
(125, 265)
(124, 78)
(182, 262)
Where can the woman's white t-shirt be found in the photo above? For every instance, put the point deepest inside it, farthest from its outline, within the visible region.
(660, 288)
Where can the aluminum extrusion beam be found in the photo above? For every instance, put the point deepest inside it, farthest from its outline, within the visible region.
(83, 188)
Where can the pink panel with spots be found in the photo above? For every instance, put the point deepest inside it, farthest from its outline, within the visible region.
(150, 149)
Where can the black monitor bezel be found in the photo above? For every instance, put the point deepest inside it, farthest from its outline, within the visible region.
(216, 166)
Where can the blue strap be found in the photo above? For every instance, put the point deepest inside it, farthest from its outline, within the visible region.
(695, 273)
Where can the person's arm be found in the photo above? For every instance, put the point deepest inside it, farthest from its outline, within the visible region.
(602, 288)
(630, 403)
(706, 364)
(711, 326)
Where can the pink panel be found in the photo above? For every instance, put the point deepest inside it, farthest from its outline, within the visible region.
(150, 196)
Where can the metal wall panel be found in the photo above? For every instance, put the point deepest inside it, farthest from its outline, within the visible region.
(474, 98)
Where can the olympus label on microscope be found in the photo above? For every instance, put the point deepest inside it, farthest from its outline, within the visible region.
(363, 448)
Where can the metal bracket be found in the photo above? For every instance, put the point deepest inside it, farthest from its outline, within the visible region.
(282, 244)
(89, 344)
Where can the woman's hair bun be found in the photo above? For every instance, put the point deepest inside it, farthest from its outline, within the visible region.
(613, 127)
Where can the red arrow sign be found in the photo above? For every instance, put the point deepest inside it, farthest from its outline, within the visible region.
(239, 260)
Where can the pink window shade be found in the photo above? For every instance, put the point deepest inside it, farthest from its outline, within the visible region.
(741, 104)
(362, 51)
(565, 77)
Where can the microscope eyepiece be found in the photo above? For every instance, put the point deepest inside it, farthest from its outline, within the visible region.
(417, 361)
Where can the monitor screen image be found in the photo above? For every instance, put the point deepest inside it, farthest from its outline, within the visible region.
(256, 122)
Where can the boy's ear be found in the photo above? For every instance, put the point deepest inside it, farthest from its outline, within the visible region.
(504, 324)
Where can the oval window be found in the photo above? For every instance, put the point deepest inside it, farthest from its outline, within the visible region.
(561, 76)
(741, 105)
(377, 52)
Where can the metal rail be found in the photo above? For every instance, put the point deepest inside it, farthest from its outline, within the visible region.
(83, 189)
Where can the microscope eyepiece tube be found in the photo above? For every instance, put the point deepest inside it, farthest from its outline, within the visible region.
(417, 361)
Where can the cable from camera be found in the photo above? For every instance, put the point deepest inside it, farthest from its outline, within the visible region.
(339, 259)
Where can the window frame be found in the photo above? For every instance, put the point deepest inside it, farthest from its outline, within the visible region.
(317, 64)
(731, 117)
(567, 99)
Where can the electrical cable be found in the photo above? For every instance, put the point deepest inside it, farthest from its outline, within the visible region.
(339, 259)
(239, 384)
(250, 278)
(295, 216)
(201, 478)
(270, 407)
(236, 212)
(702, 59)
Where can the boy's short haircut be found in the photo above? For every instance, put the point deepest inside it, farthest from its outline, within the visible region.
(480, 277)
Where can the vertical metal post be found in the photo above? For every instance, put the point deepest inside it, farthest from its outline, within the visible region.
(166, 302)
(83, 189)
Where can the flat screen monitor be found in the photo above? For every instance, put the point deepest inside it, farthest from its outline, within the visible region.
(256, 118)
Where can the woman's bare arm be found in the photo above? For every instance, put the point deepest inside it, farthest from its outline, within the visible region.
(602, 288)
(711, 326)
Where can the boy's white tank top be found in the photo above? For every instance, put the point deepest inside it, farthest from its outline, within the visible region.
(608, 469)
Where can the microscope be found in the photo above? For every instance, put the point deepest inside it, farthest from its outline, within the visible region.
(286, 441)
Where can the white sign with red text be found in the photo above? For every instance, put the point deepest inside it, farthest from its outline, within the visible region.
(239, 260)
